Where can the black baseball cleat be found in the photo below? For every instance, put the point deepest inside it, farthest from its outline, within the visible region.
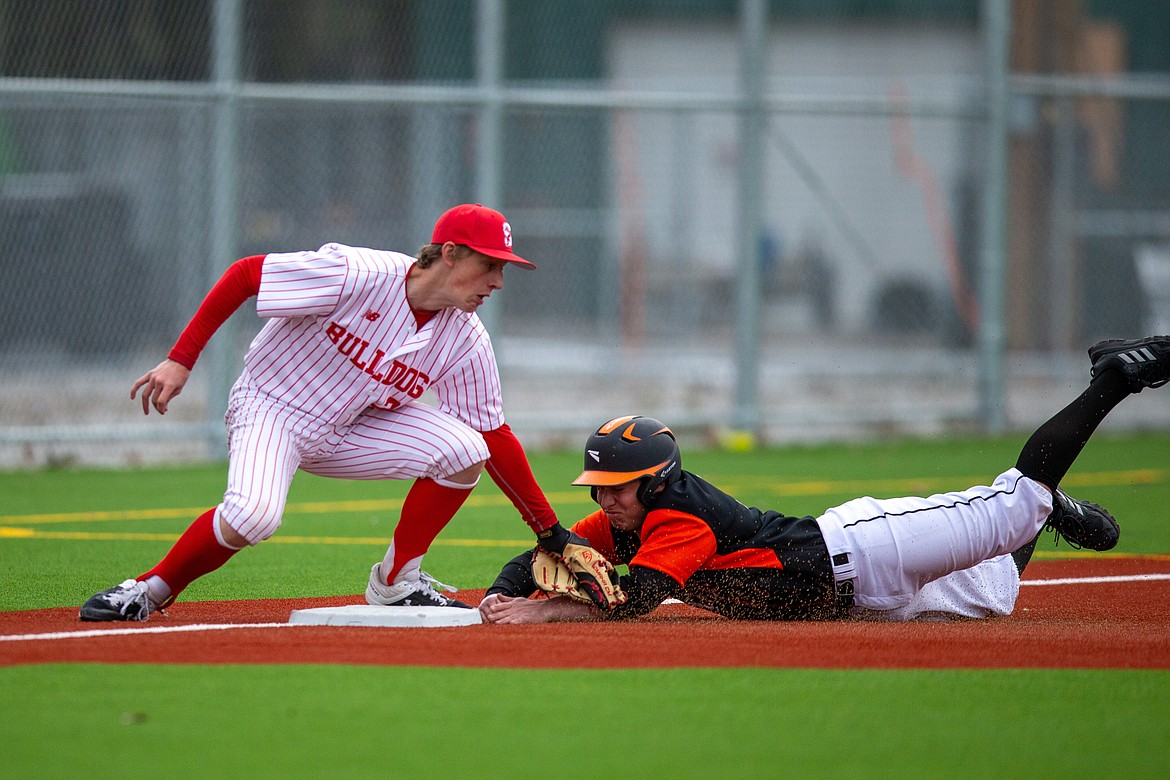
(128, 601)
(419, 592)
(1082, 524)
(1144, 362)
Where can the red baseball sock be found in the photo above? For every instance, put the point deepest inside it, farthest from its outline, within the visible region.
(428, 507)
(197, 552)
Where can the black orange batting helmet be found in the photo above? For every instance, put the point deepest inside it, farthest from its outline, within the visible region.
(631, 448)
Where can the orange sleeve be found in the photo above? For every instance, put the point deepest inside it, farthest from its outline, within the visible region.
(674, 543)
(597, 530)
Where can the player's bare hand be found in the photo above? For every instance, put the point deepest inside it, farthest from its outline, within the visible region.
(486, 604)
(498, 608)
(160, 385)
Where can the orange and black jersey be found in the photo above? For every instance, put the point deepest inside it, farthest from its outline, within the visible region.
(703, 547)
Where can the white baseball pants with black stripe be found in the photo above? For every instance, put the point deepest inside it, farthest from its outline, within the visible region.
(945, 556)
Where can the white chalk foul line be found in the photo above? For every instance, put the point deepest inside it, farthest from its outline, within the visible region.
(1095, 580)
(229, 626)
(144, 630)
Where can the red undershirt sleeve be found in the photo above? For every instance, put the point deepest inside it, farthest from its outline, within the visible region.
(509, 468)
(239, 282)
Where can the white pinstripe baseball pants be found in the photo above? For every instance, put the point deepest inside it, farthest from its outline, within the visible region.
(268, 442)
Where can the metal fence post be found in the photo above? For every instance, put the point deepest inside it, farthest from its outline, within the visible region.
(225, 177)
(753, 15)
(992, 330)
(489, 71)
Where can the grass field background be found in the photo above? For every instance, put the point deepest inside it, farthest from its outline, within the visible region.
(66, 534)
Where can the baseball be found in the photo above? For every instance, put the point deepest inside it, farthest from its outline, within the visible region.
(738, 441)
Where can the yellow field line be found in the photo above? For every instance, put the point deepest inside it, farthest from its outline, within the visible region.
(909, 486)
(1066, 554)
(308, 507)
(31, 533)
(920, 485)
(381, 542)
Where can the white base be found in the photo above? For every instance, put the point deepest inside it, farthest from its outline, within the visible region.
(397, 617)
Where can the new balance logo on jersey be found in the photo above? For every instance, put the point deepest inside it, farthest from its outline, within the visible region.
(372, 315)
(398, 375)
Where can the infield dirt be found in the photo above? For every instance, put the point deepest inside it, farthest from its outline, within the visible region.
(1122, 624)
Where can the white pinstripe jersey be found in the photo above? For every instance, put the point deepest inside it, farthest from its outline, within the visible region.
(341, 337)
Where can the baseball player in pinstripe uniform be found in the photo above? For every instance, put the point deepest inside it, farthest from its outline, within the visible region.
(951, 555)
(331, 386)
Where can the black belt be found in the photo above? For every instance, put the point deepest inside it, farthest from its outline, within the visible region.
(844, 588)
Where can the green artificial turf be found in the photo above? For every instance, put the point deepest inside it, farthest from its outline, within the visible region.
(403, 722)
(65, 534)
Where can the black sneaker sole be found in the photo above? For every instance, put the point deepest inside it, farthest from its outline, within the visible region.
(1103, 537)
(99, 615)
(449, 603)
(1133, 358)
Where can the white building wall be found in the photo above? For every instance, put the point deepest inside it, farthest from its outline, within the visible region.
(686, 163)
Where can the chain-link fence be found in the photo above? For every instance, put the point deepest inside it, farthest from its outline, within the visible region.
(824, 271)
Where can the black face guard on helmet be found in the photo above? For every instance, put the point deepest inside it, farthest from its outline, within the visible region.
(631, 448)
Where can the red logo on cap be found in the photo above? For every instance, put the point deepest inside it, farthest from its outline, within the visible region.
(476, 226)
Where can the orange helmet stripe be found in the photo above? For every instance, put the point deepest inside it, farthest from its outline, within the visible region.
(615, 423)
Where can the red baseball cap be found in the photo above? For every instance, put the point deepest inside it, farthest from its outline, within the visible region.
(480, 228)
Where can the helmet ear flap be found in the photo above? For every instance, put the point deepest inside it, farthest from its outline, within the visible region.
(646, 490)
(593, 494)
